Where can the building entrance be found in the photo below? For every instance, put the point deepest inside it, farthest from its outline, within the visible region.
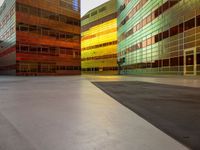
(190, 62)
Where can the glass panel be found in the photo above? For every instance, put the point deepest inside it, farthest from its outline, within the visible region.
(198, 59)
(190, 60)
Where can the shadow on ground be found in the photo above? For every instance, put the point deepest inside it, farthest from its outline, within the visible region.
(173, 109)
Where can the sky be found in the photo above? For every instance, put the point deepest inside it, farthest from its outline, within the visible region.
(86, 5)
(1, 1)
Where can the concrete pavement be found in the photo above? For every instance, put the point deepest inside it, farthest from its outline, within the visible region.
(70, 113)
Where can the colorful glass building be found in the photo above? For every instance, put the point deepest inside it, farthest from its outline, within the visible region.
(99, 40)
(159, 36)
(40, 37)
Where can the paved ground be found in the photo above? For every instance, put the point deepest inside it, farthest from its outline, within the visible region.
(70, 113)
(173, 109)
(188, 81)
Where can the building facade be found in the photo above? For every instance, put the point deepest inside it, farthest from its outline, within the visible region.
(8, 37)
(99, 40)
(159, 36)
(40, 37)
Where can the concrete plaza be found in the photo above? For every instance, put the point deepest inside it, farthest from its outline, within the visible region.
(70, 113)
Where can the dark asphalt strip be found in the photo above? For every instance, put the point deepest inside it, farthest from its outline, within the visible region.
(173, 109)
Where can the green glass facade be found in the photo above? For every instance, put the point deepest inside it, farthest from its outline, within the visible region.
(159, 36)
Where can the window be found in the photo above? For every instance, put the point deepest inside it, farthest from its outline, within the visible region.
(174, 61)
(158, 37)
(122, 7)
(24, 48)
(24, 9)
(190, 24)
(85, 17)
(47, 14)
(198, 58)
(93, 13)
(24, 28)
(165, 6)
(45, 49)
(44, 14)
(62, 51)
(45, 32)
(102, 9)
(33, 49)
(198, 20)
(148, 19)
(75, 5)
(62, 35)
(149, 41)
(166, 62)
(52, 50)
(158, 11)
(63, 3)
(2, 8)
(63, 18)
(76, 22)
(53, 16)
(34, 12)
(181, 28)
(174, 31)
(165, 34)
(53, 34)
(12, 11)
(33, 28)
(69, 21)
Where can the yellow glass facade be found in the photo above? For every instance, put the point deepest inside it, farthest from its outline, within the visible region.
(99, 40)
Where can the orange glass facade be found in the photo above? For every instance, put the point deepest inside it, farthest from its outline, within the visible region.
(47, 38)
